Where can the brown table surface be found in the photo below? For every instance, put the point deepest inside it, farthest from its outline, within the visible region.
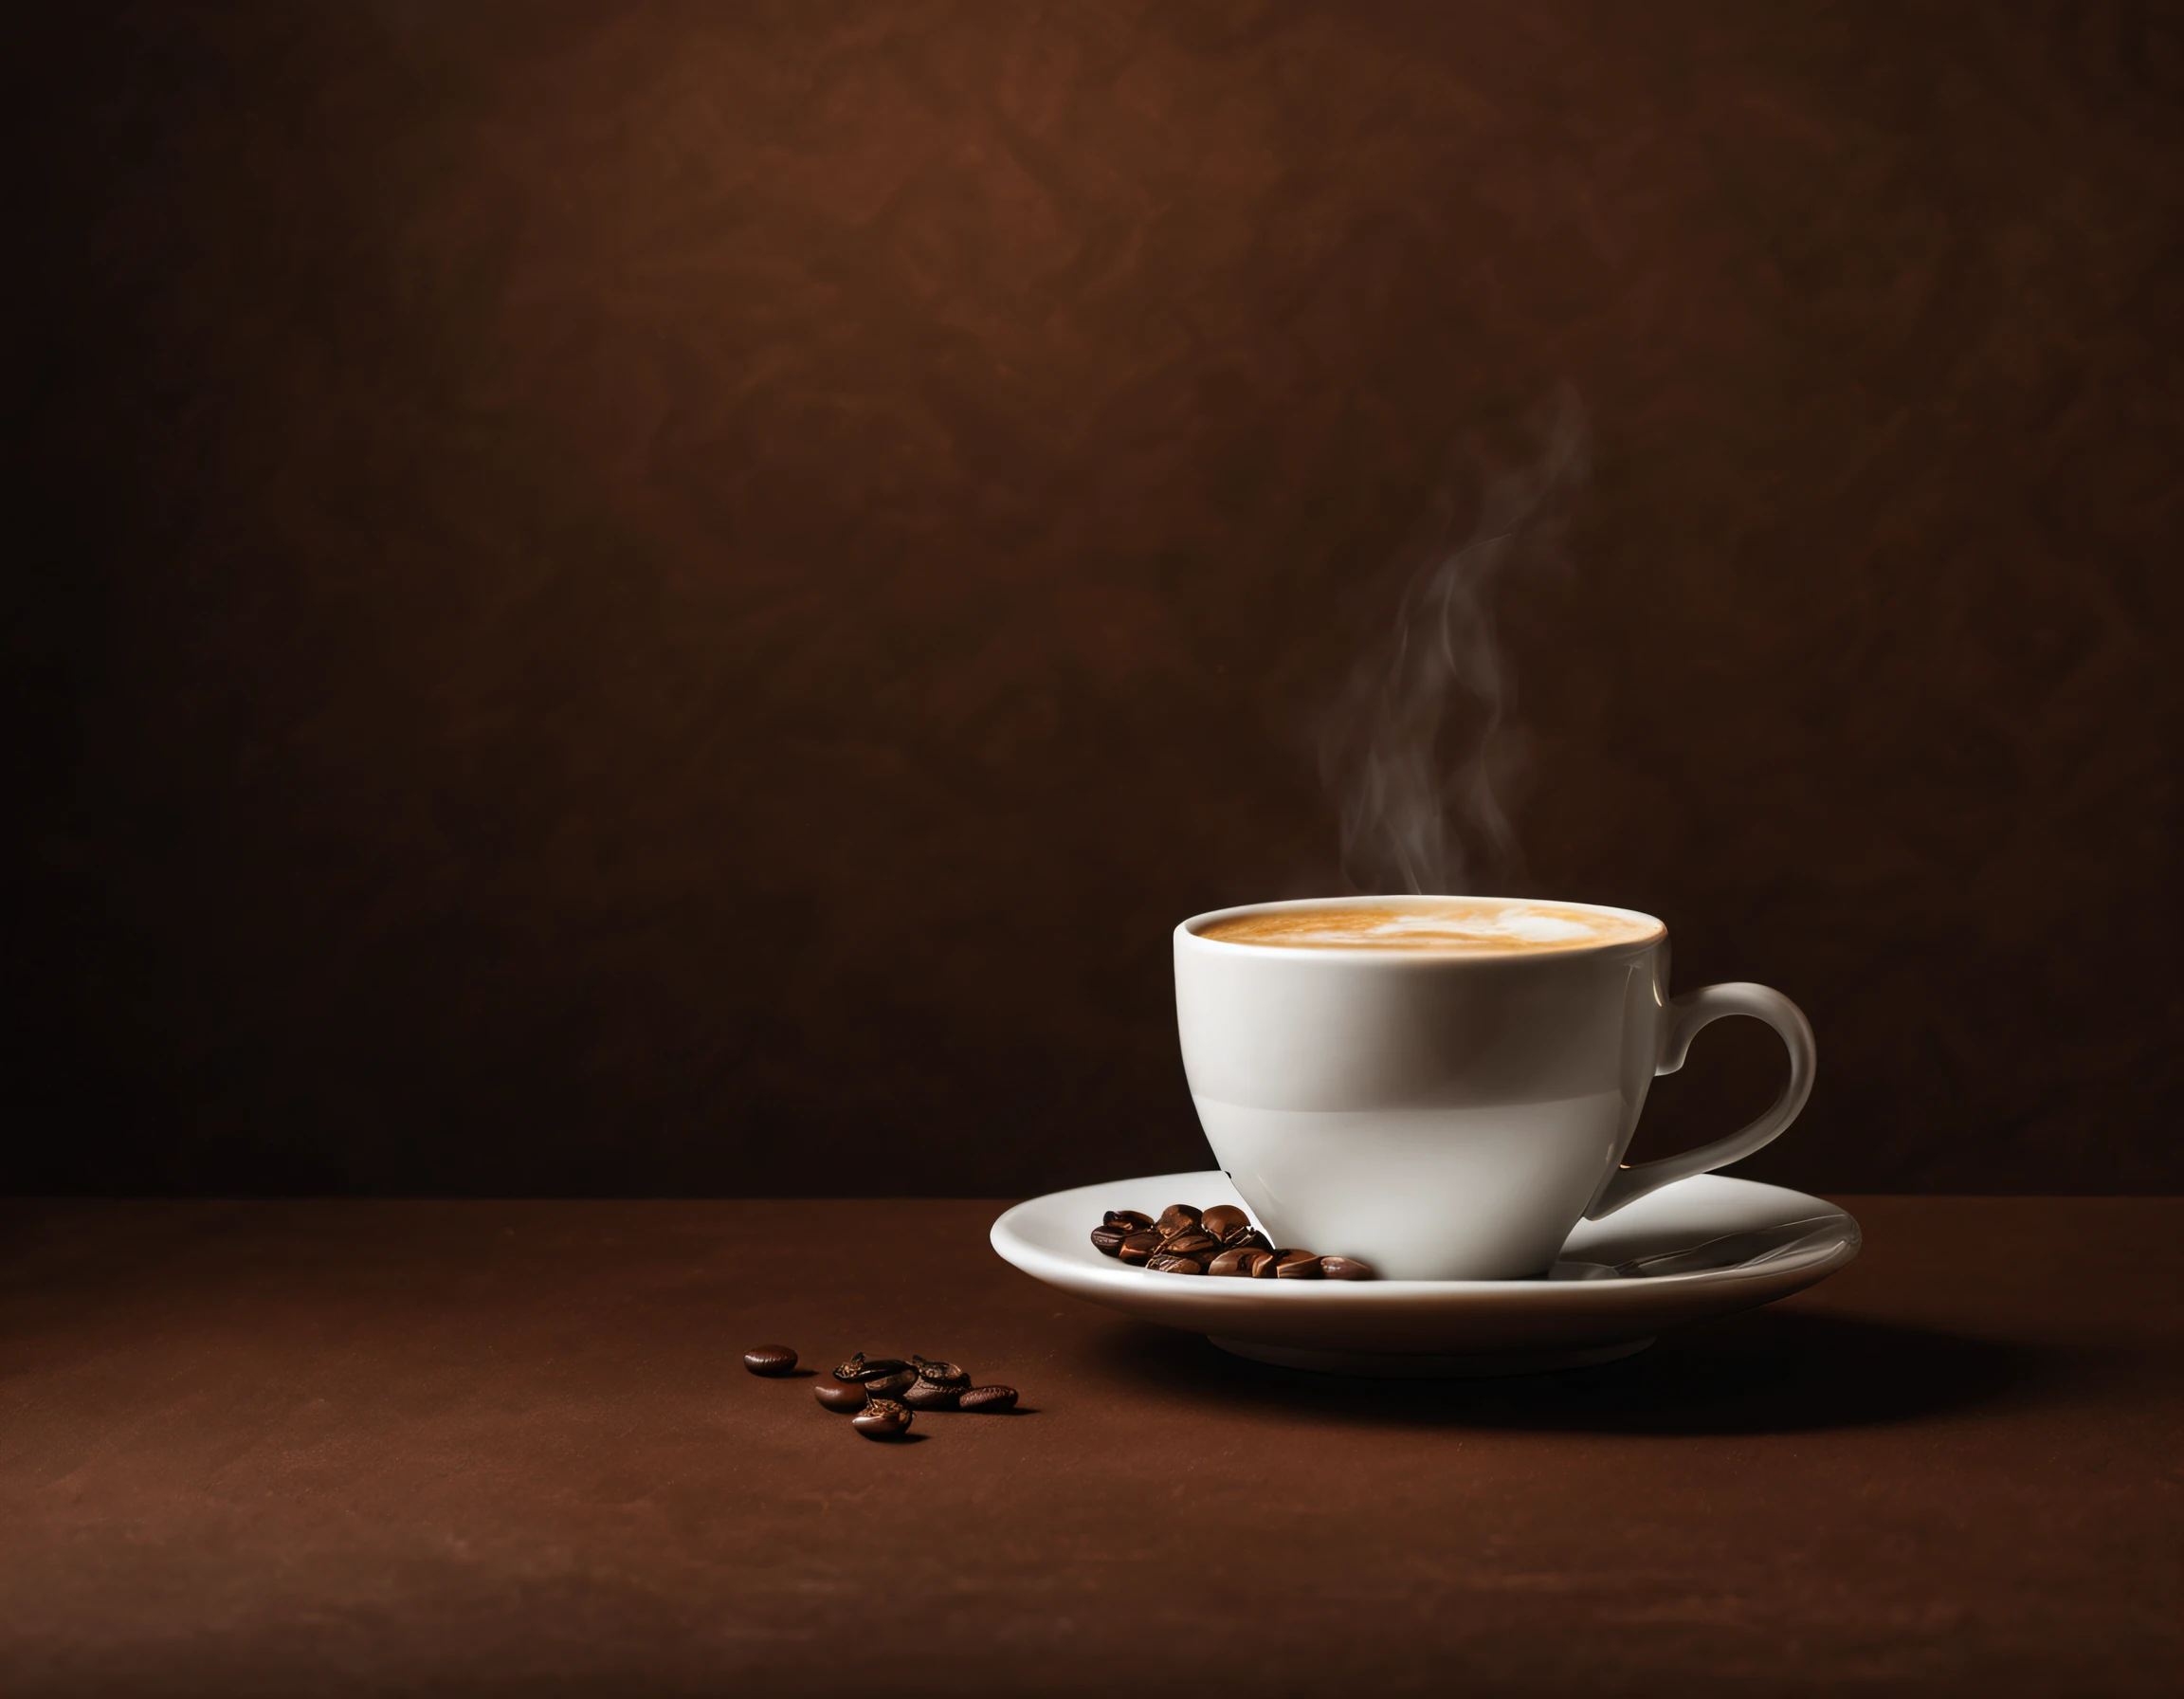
(415, 1447)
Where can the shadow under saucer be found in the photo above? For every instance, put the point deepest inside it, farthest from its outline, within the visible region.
(1766, 1371)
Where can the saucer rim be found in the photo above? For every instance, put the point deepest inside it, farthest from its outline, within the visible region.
(1014, 1246)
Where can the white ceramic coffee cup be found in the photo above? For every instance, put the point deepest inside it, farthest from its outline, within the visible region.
(1441, 1115)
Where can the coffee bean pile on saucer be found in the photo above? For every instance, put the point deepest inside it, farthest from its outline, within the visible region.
(1185, 1240)
(881, 1396)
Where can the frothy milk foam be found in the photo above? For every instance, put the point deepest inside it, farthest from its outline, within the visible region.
(1464, 925)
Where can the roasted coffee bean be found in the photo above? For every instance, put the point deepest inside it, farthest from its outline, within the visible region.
(1108, 1240)
(1249, 1239)
(1230, 1262)
(1138, 1245)
(1164, 1264)
(941, 1374)
(1224, 1219)
(882, 1418)
(1296, 1265)
(929, 1394)
(1190, 1242)
(1262, 1263)
(843, 1397)
(769, 1359)
(1344, 1268)
(860, 1367)
(891, 1386)
(1128, 1220)
(1175, 1218)
(991, 1400)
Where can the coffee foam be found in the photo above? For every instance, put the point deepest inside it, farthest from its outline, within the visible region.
(1459, 925)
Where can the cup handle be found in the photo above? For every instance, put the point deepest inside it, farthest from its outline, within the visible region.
(1693, 1009)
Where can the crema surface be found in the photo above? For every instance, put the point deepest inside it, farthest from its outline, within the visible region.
(1459, 925)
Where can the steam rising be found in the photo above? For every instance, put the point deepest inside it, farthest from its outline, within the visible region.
(1424, 729)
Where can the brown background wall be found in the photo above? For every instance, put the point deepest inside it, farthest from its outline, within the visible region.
(675, 597)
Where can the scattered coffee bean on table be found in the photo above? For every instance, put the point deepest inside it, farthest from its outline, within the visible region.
(936, 1387)
(879, 1394)
(1188, 1240)
(769, 1359)
(882, 1418)
(864, 1370)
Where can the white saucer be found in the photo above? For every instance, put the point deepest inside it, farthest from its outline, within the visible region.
(1701, 1248)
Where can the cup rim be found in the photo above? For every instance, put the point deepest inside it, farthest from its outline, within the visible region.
(1189, 929)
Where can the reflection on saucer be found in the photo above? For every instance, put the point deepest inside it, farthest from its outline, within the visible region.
(1730, 1251)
